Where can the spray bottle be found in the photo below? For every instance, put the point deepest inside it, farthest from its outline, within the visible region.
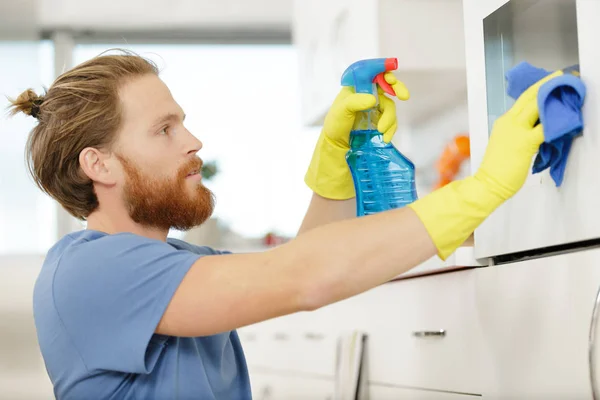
(383, 177)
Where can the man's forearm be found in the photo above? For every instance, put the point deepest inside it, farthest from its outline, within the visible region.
(322, 211)
(344, 259)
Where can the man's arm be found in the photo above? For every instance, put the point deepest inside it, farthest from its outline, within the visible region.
(338, 260)
(323, 211)
(324, 265)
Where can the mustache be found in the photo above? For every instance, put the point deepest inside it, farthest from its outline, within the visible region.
(194, 164)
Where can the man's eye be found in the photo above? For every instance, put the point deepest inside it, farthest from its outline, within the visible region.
(164, 131)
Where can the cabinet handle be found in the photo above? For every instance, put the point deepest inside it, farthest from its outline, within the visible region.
(313, 336)
(438, 333)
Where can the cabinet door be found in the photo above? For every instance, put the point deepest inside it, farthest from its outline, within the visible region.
(280, 386)
(329, 36)
(424, 333)
(550, 34)
(404, 321)
(535, 319)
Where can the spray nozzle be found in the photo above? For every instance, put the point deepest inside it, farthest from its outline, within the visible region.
(364, 75)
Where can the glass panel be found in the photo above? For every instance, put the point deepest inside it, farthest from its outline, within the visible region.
(540, 32)
(27, 216)
(243, 103)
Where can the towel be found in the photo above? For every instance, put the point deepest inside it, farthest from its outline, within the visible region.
(559, 101)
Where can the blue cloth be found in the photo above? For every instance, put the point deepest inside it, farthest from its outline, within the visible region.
(559, 101)
(97, 302)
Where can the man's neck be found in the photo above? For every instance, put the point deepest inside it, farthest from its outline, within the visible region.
(112, 224)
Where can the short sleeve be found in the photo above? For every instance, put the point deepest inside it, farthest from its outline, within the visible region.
(110, 294)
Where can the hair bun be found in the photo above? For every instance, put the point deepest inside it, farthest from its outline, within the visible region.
(28, 103)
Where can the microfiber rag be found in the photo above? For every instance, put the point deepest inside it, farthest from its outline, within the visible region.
(559, 102)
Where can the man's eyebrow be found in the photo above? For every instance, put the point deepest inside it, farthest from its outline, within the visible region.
(167, 118)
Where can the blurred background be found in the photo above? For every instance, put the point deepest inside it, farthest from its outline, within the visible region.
(255, 78)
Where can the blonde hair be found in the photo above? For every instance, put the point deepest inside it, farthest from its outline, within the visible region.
(81, 109)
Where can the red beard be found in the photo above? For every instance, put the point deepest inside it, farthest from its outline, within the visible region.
(166, 203)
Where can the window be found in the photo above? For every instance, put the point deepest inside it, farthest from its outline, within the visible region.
(27, 216)
(243, 103)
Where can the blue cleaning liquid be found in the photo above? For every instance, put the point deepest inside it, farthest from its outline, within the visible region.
(383, 178)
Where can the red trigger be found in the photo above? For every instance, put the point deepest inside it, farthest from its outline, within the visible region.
(380, 80)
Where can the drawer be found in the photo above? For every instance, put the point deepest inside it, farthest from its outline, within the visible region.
(299, 343)
(380, 392)
(282, 386)
(406, 318)
(401, 319)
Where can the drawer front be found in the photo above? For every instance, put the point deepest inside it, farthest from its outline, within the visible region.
(279, 386)
(381, 392)
(298, 343)
(422, 332)
(401, 320)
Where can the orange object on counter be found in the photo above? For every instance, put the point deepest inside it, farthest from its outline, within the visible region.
(454, 154)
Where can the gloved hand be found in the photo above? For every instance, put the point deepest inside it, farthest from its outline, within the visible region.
(452, 213)
(328, 173)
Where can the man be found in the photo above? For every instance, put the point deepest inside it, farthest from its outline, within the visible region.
(123, 312)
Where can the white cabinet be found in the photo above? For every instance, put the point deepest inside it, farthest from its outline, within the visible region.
(422, 332)
(512, 331)
(550, 34)
(403, 321)
(277, 386)
(301, 343)
(535, 319)
(330, 35)
(523, 330)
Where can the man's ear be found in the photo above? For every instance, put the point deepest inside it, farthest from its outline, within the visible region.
(97, 166)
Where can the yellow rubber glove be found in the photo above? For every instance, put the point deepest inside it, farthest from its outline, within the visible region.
(452, 213)
(328, 174)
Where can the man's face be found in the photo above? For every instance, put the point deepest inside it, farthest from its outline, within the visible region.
(161, 185)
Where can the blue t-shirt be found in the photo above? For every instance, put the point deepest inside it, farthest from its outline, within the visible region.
(97, 302)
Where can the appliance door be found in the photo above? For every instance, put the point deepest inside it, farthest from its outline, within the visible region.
(550, 34)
